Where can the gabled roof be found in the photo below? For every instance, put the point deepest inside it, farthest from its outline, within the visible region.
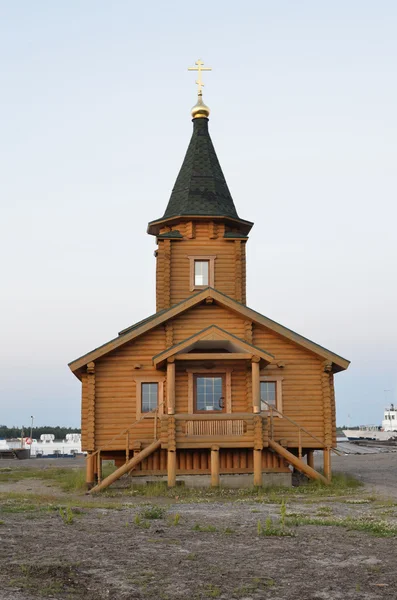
(161, 317)
(212, 332)
(200, 188)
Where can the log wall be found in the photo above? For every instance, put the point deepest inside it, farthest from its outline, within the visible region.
(200, 238)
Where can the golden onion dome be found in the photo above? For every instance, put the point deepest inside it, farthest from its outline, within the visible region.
(200, 110)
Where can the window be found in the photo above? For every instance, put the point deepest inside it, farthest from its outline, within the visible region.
(201, 273)
(271, 392)
(268, 394)
(149, 393)
(149, 396)
(209, 394)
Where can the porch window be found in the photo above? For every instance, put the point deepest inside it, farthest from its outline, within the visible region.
(209, 393)
(149, 396)
(201, 273)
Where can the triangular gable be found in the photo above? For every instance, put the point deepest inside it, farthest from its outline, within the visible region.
(159, 318)
(213, 332)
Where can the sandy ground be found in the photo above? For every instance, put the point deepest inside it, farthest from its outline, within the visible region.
(107, 552)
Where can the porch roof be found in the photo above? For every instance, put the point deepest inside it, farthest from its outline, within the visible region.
(213, 333)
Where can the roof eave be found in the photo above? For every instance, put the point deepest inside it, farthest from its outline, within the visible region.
(155, 226)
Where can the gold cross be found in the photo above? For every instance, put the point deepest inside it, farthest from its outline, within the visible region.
(200, 69)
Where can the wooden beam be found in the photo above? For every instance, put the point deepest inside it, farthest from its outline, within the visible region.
(214, 356)
(171, 387)
(327, 463)
(215, 466)
(256, 392)
(171, 467)
(90, 477)
(257, 467)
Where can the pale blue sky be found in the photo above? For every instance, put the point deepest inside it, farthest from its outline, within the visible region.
(95, 99)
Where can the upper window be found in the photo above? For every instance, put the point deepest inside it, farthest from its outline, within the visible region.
(209, 393)
(149, 396)
(201, 273)
(268, 394)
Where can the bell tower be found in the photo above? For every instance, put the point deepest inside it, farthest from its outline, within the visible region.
(201, 239)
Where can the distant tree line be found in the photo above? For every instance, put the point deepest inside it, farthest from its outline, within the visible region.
(58, 432)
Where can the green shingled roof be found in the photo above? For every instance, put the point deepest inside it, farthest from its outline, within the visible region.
(200, 188)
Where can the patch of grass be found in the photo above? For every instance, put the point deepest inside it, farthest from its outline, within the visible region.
(204, 528)
(66, 515)
(324, 511)
(228, 530)
(371, 525)
(153, 512)
(257, 584)
(358, 501)
(273, 529)
(212, 591)
(191, 556)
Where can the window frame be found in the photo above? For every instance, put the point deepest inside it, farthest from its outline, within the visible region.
(211, 271)
(278, 380)
(226, 371)
(209, 412)
(139, 379)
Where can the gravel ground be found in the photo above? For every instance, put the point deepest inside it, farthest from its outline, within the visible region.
(113, 551)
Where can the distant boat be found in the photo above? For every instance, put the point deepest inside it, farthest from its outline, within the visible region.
(387, 431)
(46, 447)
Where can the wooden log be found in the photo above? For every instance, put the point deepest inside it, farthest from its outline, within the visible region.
(257, 467)
(90, 476)
(327, 463)
(256, 398)
(171, 386)
(171, 468)
(215, 466)
(310, 458)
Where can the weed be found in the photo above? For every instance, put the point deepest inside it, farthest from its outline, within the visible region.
(212, 591)
(176, 519)
(283, 512)
(358, 501)
(228, 530)
(1, 522)
(204, 528)
(67, 515)
(153, 512)
(273, 529)
(191, 556)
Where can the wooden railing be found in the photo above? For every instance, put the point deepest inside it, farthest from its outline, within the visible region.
(203, 429)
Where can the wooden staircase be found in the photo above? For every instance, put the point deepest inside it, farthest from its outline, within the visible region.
(128, 466)
(297, 462)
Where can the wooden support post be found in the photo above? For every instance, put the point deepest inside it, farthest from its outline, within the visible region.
(257, 467)
(171, 386)
(256, 392)
(327, 463)
(310, 458)
(99, 466)
(127, 447)
(90, 475)
(171, 467)
(215, 466)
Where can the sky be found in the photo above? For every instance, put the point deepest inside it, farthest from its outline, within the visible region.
(95, 121)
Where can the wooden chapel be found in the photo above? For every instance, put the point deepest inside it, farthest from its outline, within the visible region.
(206, 391)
